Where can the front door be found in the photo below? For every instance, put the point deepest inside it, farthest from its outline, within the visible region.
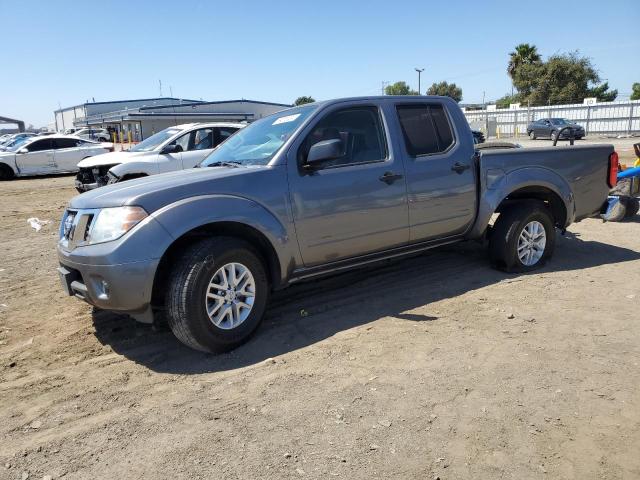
(352, 204)
(39, 158)
(441, 172)
(201, 143)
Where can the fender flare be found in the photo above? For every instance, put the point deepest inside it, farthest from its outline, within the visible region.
(189, 214)
(497, 186)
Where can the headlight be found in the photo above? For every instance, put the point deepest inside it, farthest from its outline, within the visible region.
(112, 223)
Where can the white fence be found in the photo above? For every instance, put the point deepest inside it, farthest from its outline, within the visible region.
(597, 118)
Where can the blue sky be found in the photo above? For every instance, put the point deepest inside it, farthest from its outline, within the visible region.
(62, 51)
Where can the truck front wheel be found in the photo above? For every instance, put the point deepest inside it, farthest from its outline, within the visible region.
(523, 237)
(217, 294)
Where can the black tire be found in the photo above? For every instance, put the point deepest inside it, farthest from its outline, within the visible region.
(503, 243)
(532, 135)
(187, 290)
(632, 205)
(6, 172)
(554, 136)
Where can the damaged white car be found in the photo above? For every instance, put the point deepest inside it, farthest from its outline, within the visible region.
(47, 155)
(174, 148)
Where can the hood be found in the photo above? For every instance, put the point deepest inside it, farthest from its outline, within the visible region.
(156, 191)
(115, 158)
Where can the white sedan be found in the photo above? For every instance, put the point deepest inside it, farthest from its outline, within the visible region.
(48, 154)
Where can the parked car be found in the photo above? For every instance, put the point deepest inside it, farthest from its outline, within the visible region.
(314, 190)
(14, 139)
(478, 136)
(97, 134)
(49, 154)
(551, 127)
(174, 148)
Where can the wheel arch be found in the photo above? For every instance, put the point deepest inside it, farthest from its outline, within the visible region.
(544, 194)
(257, 239)
(530, 183)
(7, 167)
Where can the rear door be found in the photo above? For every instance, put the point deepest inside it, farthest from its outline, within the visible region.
(441, 172)
(67, 154)
(39, 159)
(356, 203)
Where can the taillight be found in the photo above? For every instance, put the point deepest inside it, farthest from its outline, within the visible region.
(613, 170)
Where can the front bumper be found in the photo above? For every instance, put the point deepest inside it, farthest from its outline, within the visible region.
(116, 275)
(89, 178)
(126, 287)
(575, 134)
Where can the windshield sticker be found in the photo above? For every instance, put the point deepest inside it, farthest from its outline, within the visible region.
(287, 119)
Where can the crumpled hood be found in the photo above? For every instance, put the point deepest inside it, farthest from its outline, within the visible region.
(156, 191)
(115, 158)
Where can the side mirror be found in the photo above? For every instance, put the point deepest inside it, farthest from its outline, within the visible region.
(23, 150)
(172, 148)
(323, 151)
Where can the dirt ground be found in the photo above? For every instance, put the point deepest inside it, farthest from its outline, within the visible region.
(434, 366)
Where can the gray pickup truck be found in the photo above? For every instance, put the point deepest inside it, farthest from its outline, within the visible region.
(314, 190)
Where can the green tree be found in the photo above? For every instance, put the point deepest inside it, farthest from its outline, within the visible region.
(399, 88)
(508, 99)
(524, 54)
(446, 90)
(304, 99)
(568, 78)
(561, 79)
(635, 91)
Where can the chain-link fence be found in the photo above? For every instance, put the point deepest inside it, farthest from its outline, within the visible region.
(597, 118)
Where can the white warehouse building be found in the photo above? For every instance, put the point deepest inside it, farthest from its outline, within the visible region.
(141, 118)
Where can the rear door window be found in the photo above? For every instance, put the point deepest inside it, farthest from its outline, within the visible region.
(426, 129)
(223, 133)
(65, 143)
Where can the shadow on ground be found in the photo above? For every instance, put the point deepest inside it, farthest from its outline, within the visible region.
(311, 312)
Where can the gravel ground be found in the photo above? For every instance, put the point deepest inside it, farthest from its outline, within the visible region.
(434, 366)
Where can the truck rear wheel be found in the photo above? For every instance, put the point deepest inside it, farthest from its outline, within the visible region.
(217, 294)
(523, 237)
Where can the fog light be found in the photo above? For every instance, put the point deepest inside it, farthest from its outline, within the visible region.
(103, 293)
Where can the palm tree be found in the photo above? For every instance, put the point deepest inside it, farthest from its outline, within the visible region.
(524, 54)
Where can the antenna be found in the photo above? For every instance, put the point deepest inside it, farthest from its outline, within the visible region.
(160, 83)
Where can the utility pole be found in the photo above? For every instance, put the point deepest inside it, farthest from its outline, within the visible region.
(419, 70)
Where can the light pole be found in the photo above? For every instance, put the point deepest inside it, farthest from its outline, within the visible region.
(419, 70)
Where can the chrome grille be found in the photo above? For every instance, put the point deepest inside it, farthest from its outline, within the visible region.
(75, 227)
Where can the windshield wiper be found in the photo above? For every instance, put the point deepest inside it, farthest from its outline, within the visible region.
(230, 163)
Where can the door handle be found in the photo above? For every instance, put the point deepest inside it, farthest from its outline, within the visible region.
(390, 177)
(459, 167)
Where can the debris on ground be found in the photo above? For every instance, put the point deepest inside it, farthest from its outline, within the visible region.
(37, 224)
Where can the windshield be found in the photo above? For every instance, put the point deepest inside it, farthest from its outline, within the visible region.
(155, 140)
(560, 121)
(258, 143)
(15, 144)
